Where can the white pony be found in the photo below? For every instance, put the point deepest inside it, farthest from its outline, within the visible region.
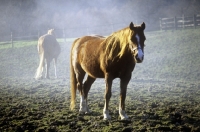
(48, 50)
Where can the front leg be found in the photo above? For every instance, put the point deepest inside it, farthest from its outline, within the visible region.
(123, 88)
(83, 104)
(108, 80)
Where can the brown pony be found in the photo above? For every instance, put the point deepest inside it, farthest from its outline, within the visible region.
(48, 49)
(112, 57)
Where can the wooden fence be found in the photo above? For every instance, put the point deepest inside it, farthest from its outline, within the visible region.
(172, 23)
(182, 22)
(9, 39)
(61, 33)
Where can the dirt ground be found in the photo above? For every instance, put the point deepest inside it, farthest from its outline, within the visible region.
(152, 104)
(29, 105)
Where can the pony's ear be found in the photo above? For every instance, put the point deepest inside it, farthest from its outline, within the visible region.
(131, 26)
(143, 25)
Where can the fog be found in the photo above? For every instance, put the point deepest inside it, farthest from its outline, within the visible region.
(79, 17)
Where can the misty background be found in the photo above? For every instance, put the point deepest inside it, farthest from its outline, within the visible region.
(82, 17)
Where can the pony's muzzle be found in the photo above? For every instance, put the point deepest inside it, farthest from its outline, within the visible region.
(139, 56)
(139, 60)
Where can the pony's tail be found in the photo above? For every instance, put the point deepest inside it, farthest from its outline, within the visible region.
(39, 71)
(73, 83)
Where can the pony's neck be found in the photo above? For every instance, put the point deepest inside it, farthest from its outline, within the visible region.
(123, 37)
(117, 43)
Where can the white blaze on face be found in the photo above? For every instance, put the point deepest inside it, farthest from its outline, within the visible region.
(140, 52)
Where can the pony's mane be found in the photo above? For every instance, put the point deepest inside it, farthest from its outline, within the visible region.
(117, 43)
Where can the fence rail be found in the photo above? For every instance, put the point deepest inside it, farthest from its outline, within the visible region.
(62, 33)
(9, 39)
(182, 22)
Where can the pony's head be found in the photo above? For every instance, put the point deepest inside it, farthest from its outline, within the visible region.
(51, 32)
(136, 43)
(128, 40)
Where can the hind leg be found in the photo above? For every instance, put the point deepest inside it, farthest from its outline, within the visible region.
(42, 69)
(39, 71)
(80, 73)
(55, 64)
(86, 87)
(47, 68)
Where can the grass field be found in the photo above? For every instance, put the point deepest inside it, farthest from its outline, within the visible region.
(163, 94)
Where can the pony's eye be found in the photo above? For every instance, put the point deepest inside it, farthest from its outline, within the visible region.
(144, 45)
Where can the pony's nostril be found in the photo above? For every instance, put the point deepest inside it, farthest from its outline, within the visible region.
(139, 58)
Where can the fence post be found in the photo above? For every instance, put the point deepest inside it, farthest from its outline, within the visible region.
(11, 39)
(175, 23)
(194, 20)
(38, 34)
(160, 24)
(64, 35)
(183, 18)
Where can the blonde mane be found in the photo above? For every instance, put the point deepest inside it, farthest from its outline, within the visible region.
(118, 43)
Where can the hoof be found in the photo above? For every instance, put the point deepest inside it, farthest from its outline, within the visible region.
(106, 115)
(47, 77)
(107, 118)
(84, 112)
(123, 115)
(84, 109)
(38, 78)
(125, 119)
(88, 111)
